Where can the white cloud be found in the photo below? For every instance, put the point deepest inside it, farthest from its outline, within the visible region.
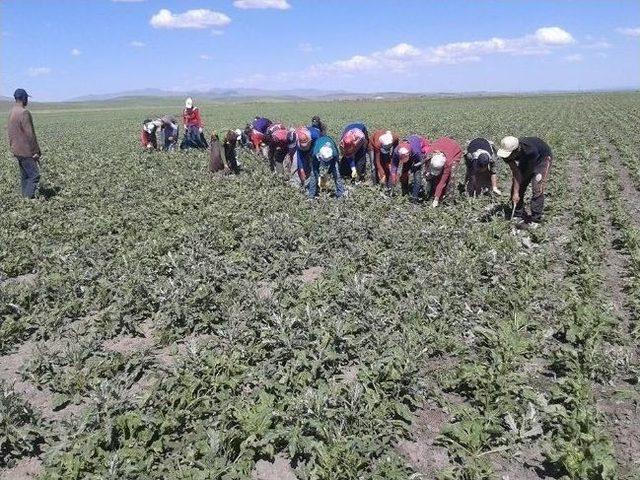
(574, 58)
(404, 56)
(75, 52)
(553, 36)
(629, 32)
(199, 18)
(137, 44)
(204, 56)
(402, 50)
(38, 71)
(248, 4)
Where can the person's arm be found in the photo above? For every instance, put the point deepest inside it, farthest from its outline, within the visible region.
(198, 118)
(516, 181)
(30, 133)
(442, 182)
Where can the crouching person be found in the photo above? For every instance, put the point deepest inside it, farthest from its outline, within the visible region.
(170, 132)
(444, 157)
(381, 147)
(354, 146)
(148, 136)
(480, 159)
(324, 161)
(230, 150)
(408, 159)
(278, 147)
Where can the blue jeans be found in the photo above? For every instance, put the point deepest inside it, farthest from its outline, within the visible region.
(315, 175)
(29, 176)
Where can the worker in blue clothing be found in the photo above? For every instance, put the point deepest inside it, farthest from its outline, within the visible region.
(353, 146)
(305, 139)
(324, 160)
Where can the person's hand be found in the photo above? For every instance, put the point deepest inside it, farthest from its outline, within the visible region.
(354, 173)
(515, 198)
(435, 204)
(171, 139)
(319, 182)
(497, 191)
(200, 130)
(36, 156)
(383, 180)
(149, 146)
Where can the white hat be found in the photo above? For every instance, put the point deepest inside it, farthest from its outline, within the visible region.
(238, 132)
(507, 146)
(325, 153)
(403, 151)
(437, 163)
(148, 127)
(188, 102)
(386, 139)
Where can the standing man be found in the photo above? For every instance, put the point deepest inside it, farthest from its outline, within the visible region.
(445, 154)
(24, 144)
(530, 160)
(353, 145)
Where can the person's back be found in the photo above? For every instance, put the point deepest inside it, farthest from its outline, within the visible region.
(24, 144)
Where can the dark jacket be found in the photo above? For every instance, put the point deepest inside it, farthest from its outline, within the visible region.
(22, 136)
(216, 164)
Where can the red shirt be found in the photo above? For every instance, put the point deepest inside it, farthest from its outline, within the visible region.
(145, 138)
(279, 139)
(191, 118)
(452, 153)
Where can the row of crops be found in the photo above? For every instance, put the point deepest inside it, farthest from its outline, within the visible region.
(174, 325)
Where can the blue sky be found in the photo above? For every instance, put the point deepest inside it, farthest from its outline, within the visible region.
(66, 48)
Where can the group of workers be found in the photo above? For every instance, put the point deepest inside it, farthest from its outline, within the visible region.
(425, 169)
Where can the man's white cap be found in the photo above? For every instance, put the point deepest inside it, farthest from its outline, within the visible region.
(437, 163)
(386, 139)
(188, 102)
(238, 132)
(326, 153)
(507, 146)
(403, 151)
(149, 127)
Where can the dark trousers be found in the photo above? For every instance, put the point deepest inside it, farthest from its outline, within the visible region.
(313, 188)
(29, 176)
(193, 139)
(276, 159)
(360, 159)
(416, 181)
(537, 177)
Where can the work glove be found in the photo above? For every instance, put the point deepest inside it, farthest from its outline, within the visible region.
(354, 173)
(435, 203)
(497, 191)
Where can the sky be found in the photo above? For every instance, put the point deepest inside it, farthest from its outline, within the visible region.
(61, 49)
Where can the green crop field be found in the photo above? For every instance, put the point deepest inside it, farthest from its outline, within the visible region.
(160, 323)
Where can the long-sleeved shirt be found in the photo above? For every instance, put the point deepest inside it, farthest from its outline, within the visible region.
(303, 155)
(362, 149)
(261, 124)
(278, 139)
(452, 153)
(22, 135)
(419, 146)
(534, 150)
(374, 146)
(191, 117)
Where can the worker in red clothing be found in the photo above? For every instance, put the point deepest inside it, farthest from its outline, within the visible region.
(381, 147)
(148, 136)
(444, 157)
(192, 122)
(277, 139)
